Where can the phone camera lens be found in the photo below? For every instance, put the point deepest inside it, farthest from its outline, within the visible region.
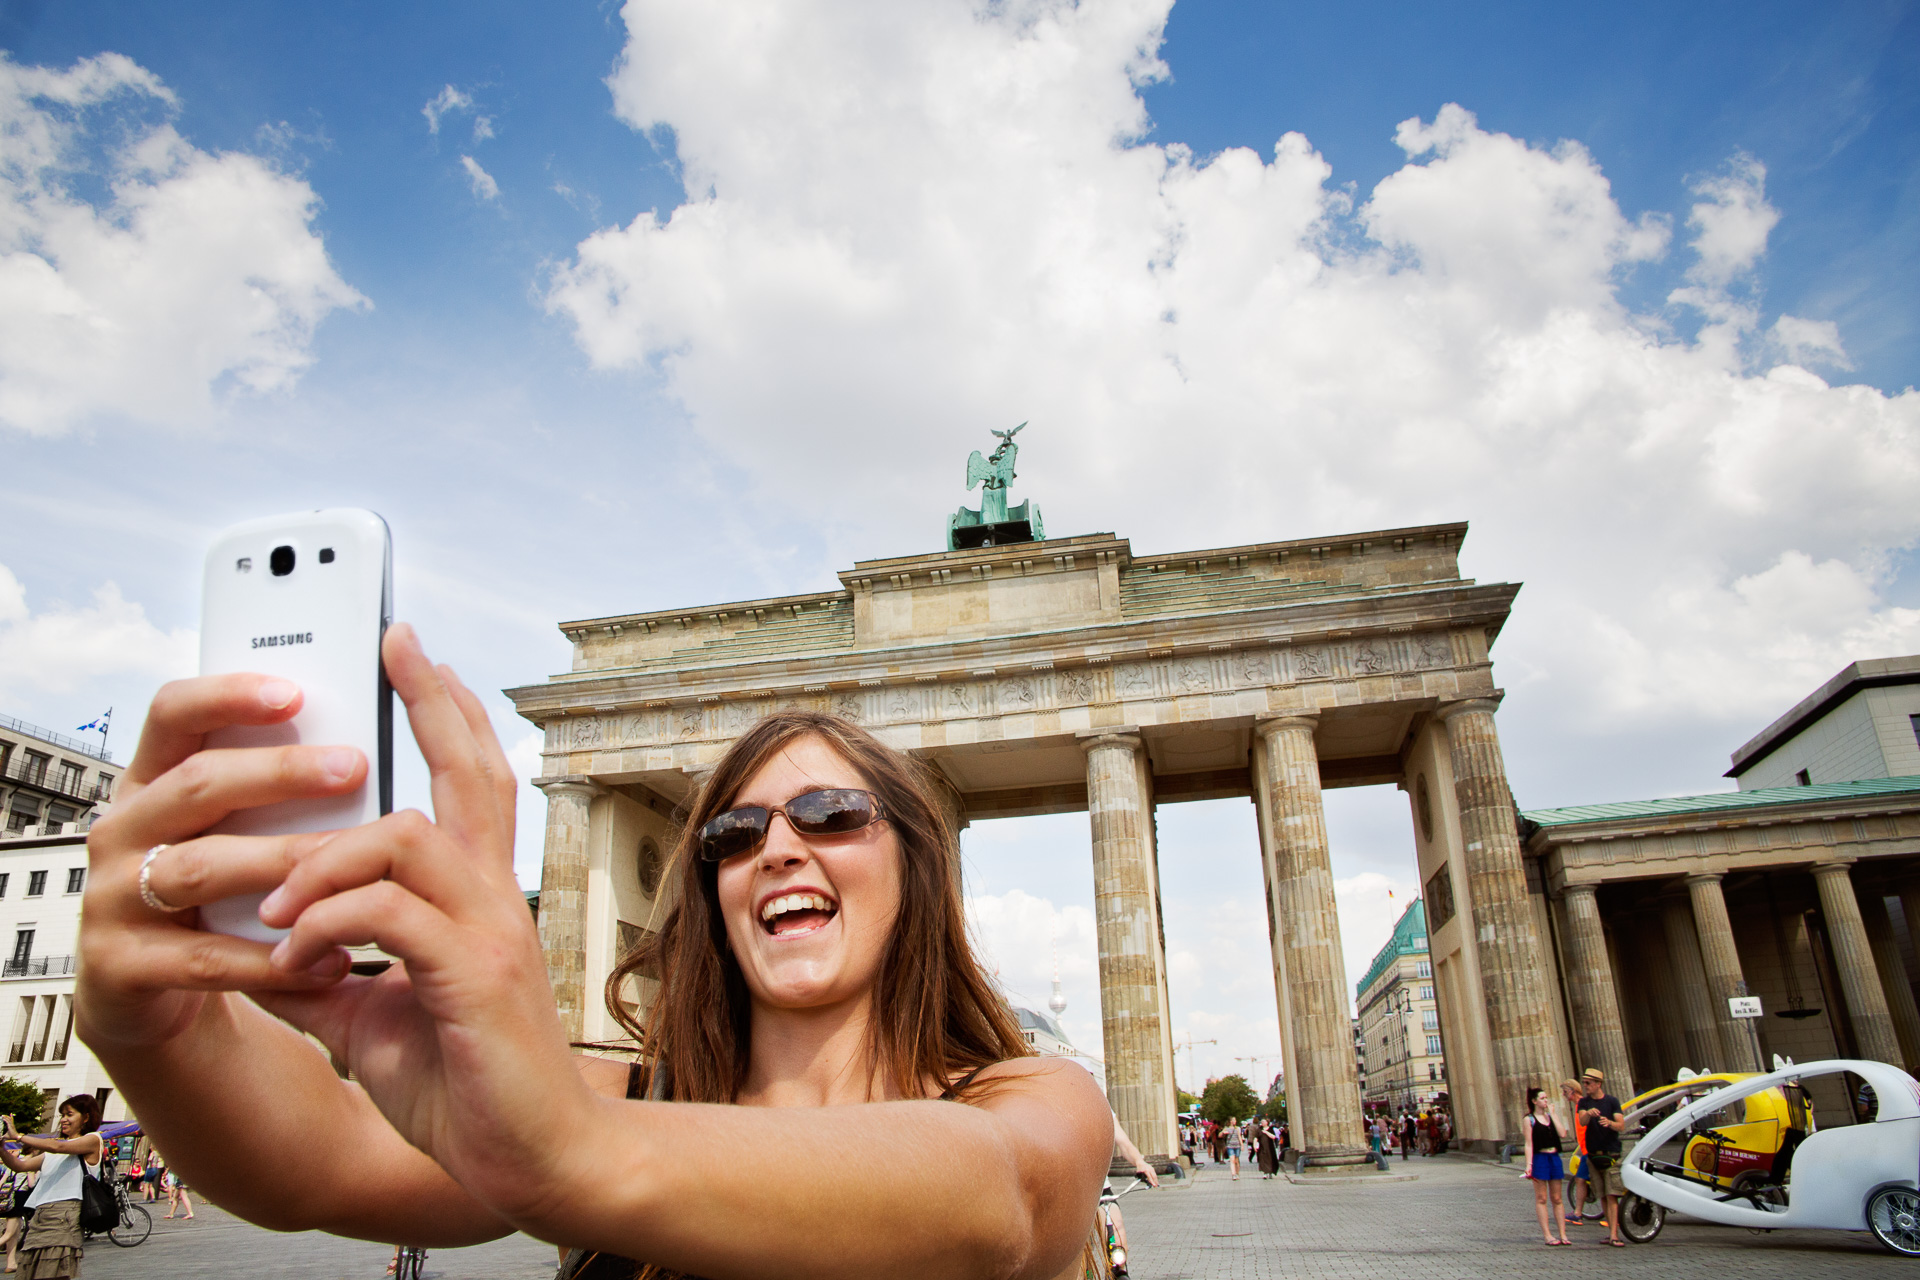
(244, 564)
(281, 561)
(326, 555)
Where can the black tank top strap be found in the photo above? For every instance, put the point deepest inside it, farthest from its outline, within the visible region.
(952, 1092)
(635, 1076)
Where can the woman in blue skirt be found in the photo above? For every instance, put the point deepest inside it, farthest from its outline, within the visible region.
(1543, 1164)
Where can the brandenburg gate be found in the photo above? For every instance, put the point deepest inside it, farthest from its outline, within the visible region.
(1075, 674)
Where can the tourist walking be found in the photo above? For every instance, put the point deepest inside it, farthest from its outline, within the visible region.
(1601, 1120)
(50, 1249)
(17, 1188)
(1407, 1130)
(1544, 1168)
(177, 1196)
(1233, 1146)
(1269, 1148)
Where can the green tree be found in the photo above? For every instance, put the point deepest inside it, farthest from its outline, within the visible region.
(1228, 1098)
(23, 1101)
(1187, 1101)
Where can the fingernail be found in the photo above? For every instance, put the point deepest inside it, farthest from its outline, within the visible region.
(278, 693)
(272, 901)
(278, 956)
(339, 762)
(331, 966)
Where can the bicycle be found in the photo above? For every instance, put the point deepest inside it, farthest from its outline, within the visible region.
(134, 1225)
(1109, 1200)
(408, 1259)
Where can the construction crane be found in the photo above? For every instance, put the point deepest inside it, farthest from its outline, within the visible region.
(1188, 1044)
(1256, 1060)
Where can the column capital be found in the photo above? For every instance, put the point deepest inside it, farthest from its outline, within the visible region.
(1704, 877)
(1582, 890)
(1448, 710)
(1273, 722)
(570, 784)
(1832, 867)
(1126, 735)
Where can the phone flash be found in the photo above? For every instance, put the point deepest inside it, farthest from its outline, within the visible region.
(244, 564)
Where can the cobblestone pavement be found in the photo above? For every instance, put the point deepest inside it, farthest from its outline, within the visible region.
(1459, 1218)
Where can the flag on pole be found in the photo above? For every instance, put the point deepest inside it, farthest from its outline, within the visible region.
(98, 722)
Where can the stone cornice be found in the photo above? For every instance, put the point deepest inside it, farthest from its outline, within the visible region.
(1379, 617)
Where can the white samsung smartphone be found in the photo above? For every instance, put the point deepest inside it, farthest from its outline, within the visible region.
(306, 597)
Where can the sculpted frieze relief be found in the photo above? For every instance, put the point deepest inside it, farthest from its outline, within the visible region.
(1254, 667)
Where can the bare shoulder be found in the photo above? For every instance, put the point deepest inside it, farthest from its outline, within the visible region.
(605, 1076)
(1055, 1082)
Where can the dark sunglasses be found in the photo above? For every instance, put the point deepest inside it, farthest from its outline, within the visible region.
(835, 811)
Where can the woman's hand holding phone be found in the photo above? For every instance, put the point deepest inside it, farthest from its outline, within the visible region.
(144, 974)
(461, 1045)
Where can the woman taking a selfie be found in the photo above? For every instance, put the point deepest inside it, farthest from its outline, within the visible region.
(831, 1085)
(51, 1246)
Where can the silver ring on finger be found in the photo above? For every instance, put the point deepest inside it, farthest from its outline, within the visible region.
(147, 895)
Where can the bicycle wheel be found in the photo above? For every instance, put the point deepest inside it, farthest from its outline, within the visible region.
(1893, 1215)
(1640, 1218)
(135, 1225)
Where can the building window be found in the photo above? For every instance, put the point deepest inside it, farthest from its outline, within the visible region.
(22, 950)
(25, 814)
(1433, 1072)
(22, 1022)
(4, 877)
(1424, 969)
(58, 815)
(70, 775)
(35, 771)
(1429, 1021)
(1803, 778)
(36, 883)
(76, 879)
(1915, 722)
(1426, 993)
(1433, 1047)
(102, 788)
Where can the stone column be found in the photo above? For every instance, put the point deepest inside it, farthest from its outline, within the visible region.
(1689, 977)
(1721, 960)
(1893, 975)
(1138, 1041)
(1324, 1097)
(1514, 976)
(563, 895)
(1853, 955)
(1596, 999)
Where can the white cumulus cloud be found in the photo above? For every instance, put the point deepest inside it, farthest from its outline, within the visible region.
(67, 649)
(194, 275)
(905, 224)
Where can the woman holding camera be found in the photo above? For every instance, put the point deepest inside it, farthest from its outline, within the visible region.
(51, 1246)
(818, 1003)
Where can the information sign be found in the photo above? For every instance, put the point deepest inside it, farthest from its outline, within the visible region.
(1744, 1006)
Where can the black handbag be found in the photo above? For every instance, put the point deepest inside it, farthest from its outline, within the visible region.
(98, 1212)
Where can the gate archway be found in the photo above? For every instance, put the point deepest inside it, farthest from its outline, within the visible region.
(1072, 674)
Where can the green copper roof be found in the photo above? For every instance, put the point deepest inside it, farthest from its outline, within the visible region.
(1409, 939)
(1724, 800)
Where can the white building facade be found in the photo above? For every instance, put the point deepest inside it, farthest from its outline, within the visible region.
(41, 881)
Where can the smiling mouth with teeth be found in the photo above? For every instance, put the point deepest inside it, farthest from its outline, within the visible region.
(797, 913)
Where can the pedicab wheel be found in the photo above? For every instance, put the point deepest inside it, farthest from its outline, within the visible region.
(1893, 1215)
(1640, 1218)
(135, 1225)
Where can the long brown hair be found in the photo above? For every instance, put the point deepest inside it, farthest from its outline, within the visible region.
(934, 1013)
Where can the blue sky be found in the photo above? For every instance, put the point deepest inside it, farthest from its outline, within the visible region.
(708, 309)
